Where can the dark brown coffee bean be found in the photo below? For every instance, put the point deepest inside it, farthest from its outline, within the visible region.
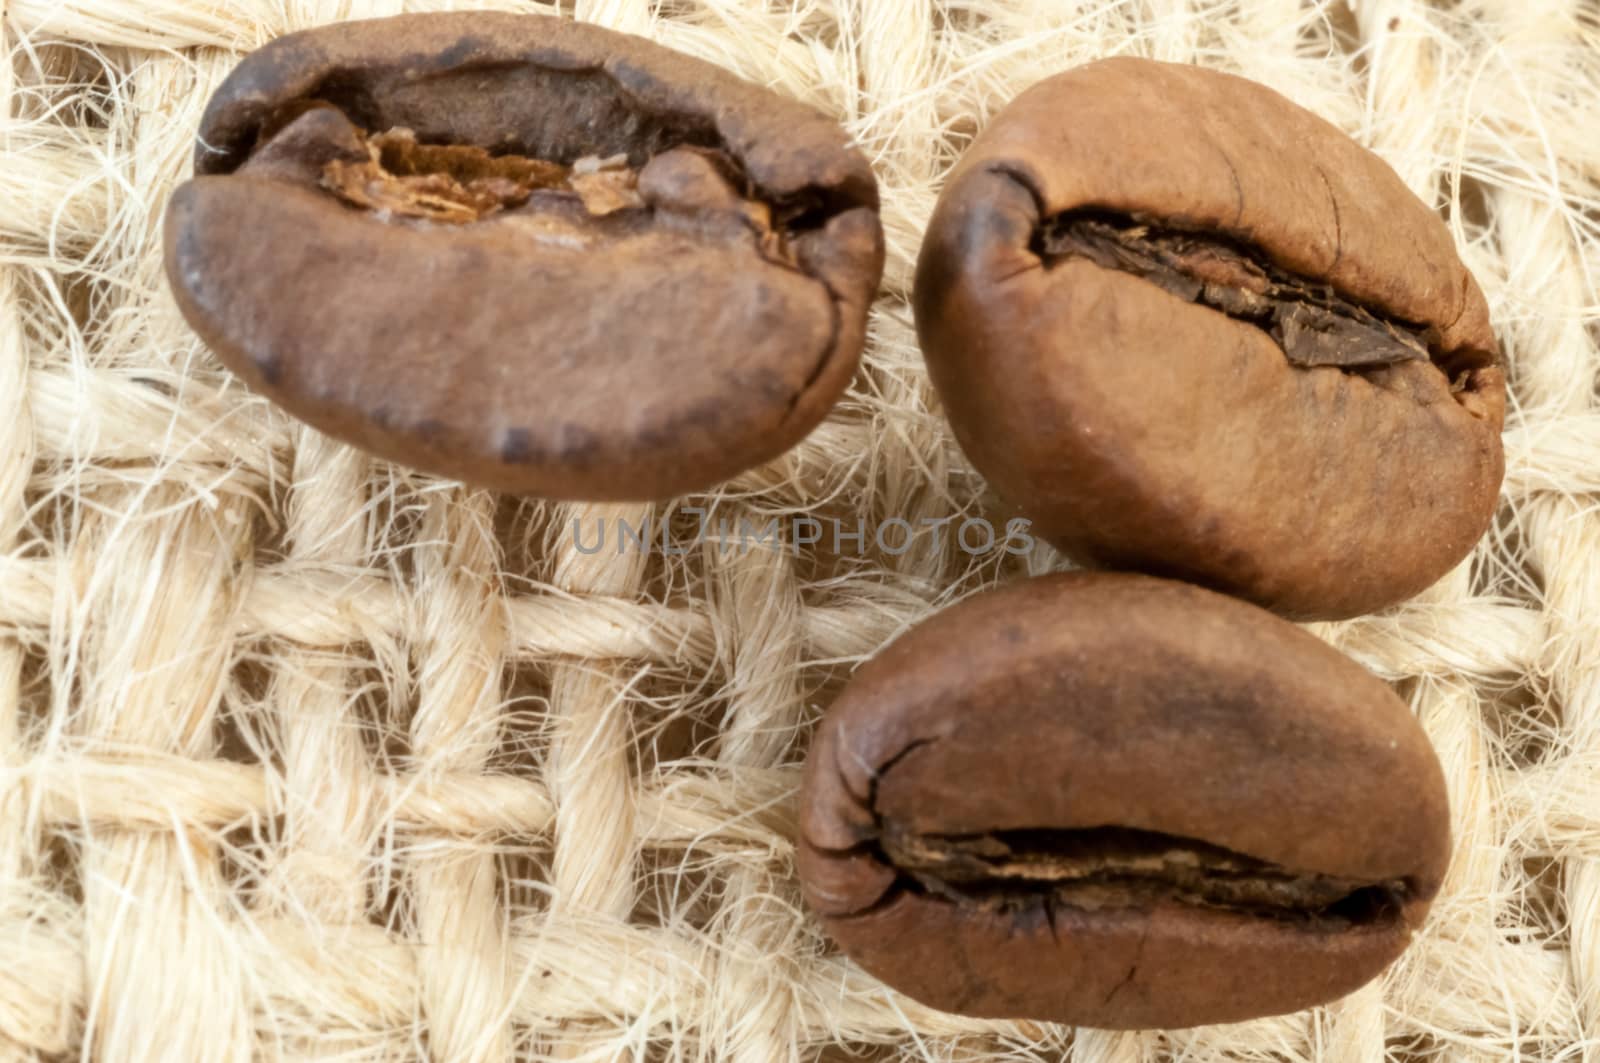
(1119, 801)
(1191, 329)
(528, 253)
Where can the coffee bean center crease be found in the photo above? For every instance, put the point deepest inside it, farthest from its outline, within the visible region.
(1092, 869)
(1312, 323)
(458, 183)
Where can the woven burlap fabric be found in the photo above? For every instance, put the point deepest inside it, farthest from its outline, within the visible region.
(306, 756)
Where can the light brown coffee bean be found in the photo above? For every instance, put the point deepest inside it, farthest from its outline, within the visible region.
(526, 252)
(1119, 801)
(1191, 329)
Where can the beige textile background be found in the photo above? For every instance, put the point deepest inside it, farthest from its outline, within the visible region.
(305, 756)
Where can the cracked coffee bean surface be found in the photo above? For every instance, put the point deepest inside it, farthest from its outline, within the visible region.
(527, 253)
(1191, 329)
(1119, 801)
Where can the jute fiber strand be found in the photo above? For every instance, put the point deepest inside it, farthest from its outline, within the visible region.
(304, 756)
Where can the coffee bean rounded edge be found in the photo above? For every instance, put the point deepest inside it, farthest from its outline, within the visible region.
(1191, 329)
(526, 252)
(1118, 801)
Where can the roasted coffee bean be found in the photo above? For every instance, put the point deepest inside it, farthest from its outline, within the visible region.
(1118, 801)
(1191, 329)
(528, 253)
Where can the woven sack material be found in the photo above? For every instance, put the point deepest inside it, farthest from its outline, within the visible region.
(303, 755)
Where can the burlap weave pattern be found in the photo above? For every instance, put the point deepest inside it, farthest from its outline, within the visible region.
(306, 756)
